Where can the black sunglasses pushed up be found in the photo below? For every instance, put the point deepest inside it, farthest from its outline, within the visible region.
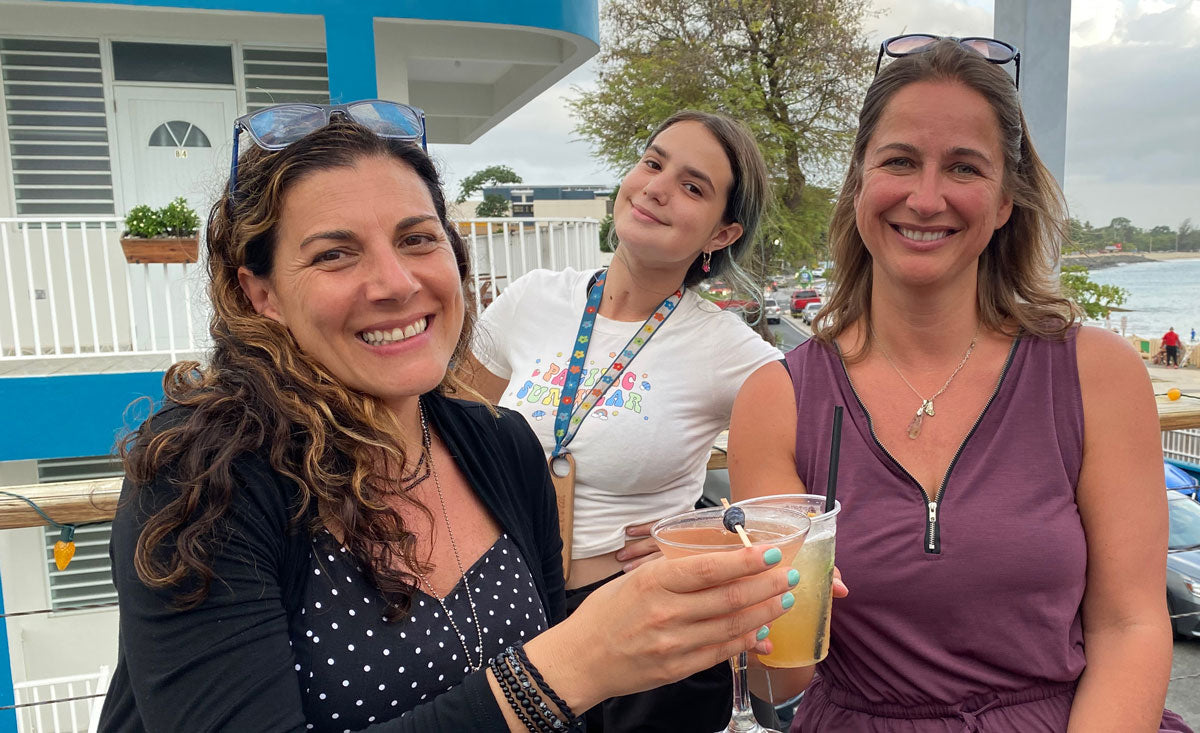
(996, 52)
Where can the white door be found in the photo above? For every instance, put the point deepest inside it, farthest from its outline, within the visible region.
(172, 141)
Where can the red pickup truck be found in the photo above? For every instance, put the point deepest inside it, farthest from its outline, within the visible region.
(801, 298)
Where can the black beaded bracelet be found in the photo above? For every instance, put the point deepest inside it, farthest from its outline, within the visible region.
(519, 650)
(547, 716)
(528, 696)
(504, 677)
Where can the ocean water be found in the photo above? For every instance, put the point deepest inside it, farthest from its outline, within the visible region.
(1161, 295)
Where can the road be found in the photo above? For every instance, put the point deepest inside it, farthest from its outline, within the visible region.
(790, 332)
(1183, 692)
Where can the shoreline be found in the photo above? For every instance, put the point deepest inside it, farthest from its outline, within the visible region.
(1098, 261)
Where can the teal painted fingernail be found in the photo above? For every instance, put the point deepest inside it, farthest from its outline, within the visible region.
(793, 577)
(762, 633)
(772, 556)
(788, 601)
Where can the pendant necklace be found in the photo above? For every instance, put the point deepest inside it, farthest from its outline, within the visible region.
(926, 408)
(474, 665)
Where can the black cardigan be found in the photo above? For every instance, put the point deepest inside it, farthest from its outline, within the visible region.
(227, 663)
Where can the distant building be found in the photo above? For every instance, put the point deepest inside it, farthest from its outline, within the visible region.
(592, 202)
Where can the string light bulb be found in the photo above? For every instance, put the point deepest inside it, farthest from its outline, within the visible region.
(64, 549)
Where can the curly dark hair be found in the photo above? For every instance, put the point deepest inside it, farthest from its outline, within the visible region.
(260, 395)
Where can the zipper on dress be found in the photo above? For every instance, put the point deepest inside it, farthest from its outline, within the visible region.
(933, 534)
(931, 525)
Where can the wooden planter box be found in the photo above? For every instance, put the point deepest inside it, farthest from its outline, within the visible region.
(140, 251)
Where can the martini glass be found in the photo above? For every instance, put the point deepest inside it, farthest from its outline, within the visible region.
(701, 531)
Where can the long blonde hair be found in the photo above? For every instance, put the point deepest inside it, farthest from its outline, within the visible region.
(1017, 287)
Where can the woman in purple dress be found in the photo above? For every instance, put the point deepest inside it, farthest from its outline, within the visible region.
(1003, 526)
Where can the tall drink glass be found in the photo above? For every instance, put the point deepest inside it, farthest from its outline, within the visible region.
(700, 531)
(800, 637)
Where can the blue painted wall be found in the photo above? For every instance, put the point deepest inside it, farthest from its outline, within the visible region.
(8, 696)
(349, 29)
(69, 416)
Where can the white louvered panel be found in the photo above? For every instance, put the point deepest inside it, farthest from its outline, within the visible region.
(277, 75)
(58, 138)
(88, 579)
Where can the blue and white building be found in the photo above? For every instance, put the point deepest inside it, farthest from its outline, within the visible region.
(105, 105)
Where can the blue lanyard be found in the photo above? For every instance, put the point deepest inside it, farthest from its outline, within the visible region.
(569, 415)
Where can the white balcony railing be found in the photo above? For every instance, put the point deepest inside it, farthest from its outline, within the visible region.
(1182, 445)
(504, 249)
(63, 704)
(68, 291)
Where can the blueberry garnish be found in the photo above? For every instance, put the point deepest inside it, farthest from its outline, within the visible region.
(734, 516)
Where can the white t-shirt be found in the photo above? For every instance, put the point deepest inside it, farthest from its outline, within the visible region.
(642, 453)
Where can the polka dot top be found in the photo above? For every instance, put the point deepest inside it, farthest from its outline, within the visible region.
(355, 669)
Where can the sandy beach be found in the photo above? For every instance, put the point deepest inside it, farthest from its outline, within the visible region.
(1096, 260)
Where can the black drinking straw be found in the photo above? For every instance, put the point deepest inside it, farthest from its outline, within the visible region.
(834, 446)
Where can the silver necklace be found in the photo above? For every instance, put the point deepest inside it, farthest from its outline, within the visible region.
(475, 666)
(926, 408)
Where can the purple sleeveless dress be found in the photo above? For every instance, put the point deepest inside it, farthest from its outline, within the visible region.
(962, 616)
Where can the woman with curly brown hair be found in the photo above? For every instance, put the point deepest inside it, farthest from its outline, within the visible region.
(317, 535)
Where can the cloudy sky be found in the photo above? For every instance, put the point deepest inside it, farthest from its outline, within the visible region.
(1133, 109)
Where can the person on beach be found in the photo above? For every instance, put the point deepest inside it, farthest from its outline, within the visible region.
(285, 555)
(1170, 342)
(642, 367)
(1006, 566)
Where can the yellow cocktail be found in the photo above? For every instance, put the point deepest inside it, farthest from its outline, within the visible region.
(800, 637)
(701, 531)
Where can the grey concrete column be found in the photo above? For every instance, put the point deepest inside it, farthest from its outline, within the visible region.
(1041, 29)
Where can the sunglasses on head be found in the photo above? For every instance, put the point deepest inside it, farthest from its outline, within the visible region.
(280, 125)
(996, 52)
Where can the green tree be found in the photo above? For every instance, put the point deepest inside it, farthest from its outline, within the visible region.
(1184, 233)
(1096, 300)
(605, 231)
(492, 204)
(1160, 235)
(791, 70)
(1121, 229)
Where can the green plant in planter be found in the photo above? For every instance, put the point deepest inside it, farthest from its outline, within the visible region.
(176, 219)
(143, 221)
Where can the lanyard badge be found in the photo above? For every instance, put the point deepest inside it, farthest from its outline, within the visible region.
(574, 406)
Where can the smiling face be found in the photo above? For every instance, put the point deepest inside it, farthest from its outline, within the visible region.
(364, 277)
(671, 205)
(932, 188)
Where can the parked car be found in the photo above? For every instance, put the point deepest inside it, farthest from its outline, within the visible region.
(747, 309)
(809, 314)
(773, 311)
(1183, 564)
(801, 298)
(1182, 480)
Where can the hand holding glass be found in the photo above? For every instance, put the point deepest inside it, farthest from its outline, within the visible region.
(800, 637)
(702, 531)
